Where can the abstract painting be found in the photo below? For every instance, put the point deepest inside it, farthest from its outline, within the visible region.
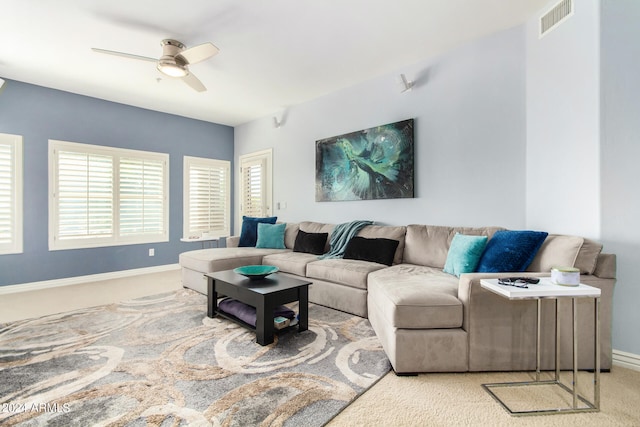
(374, 163)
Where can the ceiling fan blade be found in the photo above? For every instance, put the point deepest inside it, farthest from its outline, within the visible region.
(198, 53)
(194, 82)
(126, 55)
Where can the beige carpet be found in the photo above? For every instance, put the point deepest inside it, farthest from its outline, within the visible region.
(460, 400)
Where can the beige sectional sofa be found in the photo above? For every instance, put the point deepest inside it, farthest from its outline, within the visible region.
(429, 320)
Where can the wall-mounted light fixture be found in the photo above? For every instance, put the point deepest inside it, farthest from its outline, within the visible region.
(280, 117)
(406, 84)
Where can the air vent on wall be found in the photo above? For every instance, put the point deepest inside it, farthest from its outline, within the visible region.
(555, 16)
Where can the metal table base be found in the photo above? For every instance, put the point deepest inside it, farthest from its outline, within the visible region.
(589, 406)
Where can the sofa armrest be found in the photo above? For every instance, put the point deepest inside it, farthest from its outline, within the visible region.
(233, 241)
(469, 286)
(502, 332)
(606, 266)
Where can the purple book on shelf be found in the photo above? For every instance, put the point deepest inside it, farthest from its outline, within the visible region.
(247, 313)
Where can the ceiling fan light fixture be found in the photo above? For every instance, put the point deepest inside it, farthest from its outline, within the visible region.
(174, 61)
(172, 69)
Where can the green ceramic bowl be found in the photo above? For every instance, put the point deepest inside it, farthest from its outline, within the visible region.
(256, 272)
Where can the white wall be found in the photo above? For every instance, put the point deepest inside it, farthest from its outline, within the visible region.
(483, 141)
(583, 105)
(620, 153)
(469, 110)
(563, 124)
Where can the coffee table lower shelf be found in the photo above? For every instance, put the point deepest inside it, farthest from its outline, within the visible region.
(249, 326)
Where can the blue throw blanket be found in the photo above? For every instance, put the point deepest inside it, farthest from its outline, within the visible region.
(341, 236)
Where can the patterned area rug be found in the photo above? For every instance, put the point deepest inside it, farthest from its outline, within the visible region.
(161, 361)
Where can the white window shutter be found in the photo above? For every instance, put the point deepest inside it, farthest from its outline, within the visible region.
(6, 194)
(207, 196)
(10, 194)
(84, 195)
(254, 201)
(141, 196)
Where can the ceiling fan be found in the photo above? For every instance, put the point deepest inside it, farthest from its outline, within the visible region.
(175, 60)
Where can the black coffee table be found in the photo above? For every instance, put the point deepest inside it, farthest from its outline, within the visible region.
(264, 294)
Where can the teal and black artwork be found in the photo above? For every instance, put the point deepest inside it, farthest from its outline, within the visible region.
(375, 163)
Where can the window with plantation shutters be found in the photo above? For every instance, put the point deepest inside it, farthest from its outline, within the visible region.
(207, 197)
(104, 196)
(253, 200)
(255, 184)
(10, 194)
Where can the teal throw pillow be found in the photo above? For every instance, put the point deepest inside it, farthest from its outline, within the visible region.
(511, 251)
(464, 254)
(271, 236)
(249, 232)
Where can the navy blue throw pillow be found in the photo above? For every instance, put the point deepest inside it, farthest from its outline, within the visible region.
(249, 232)
(510, 251)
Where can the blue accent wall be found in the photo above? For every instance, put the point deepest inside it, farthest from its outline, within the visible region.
(40, 114)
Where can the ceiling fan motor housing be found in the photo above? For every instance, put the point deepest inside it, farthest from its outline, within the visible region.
(170, 63)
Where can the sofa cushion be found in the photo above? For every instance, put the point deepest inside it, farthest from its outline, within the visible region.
(311, 243)
(464, 254)
(511, 250)
(556, 251)
(567, 251)
(249, 231)
(388, 232)
(343, 271)
(427, 245)
(416, 297)
(271, 236)
(379, 250)
(290, 233)
(587, 258)
(290, 262)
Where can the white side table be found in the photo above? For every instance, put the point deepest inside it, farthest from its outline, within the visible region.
(548, 290)
(205, 241)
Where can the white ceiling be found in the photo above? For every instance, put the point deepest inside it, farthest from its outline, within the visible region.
(273, 53)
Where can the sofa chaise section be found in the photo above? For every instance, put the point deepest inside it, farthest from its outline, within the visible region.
(195, 264)
(417, 315)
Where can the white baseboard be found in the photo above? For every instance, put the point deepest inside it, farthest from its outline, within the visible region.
(626, 360)
(68, 281)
